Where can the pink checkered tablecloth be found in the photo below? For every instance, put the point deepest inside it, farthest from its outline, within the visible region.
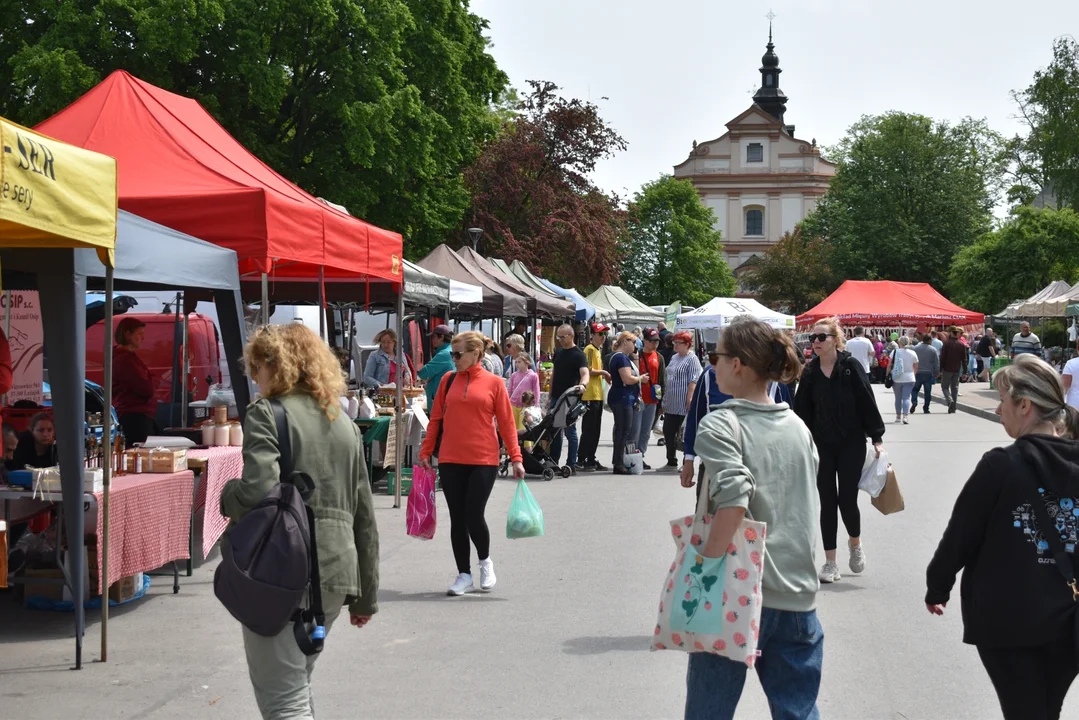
(222, 464)
(149, 523)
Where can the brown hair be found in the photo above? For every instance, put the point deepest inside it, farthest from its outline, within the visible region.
(38, 418)
(769, 353)
(834, 329)
(299, 362)
(384, 333)
(125, 328)
(472, 340)
(1034, 379)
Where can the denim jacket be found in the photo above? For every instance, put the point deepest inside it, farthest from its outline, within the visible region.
(377, 371)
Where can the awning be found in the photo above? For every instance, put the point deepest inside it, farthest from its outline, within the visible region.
(886, 302)
(1052, 301)
(540, 302)
(623, 307)
(497, 302)
(585, 310)
(719, 312)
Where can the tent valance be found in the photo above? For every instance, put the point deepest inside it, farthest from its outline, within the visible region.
(887, 302)
(719, 312)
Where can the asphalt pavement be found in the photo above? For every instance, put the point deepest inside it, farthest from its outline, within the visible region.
(564, 634)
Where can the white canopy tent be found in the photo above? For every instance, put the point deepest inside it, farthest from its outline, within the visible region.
(718, 313)
(1052, 306)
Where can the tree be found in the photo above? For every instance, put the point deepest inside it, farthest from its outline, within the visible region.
(377, 105)
(1048, 156)
(793, 274)
(1032, 249)
(908, 192)
(671, 248)
(532, 196)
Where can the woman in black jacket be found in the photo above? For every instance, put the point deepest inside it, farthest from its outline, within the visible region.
(1017, 607)
(837, 404)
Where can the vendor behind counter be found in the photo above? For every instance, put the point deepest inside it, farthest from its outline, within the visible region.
(132, 384)
(37, 446)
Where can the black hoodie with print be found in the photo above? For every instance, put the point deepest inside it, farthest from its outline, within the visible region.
(1012, 594)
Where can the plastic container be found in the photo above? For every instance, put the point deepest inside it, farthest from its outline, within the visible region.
(208, 434)
(236, 434)
(222, 435)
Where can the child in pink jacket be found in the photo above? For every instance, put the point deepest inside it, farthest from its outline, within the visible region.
(523, 380)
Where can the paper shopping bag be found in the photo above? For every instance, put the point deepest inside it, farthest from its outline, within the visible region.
(890, 499)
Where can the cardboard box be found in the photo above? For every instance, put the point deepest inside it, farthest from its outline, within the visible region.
(155, 460)
(125, 588)
(49, 590)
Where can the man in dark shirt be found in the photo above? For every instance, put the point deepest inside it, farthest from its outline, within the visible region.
(953, 357)
(570, 369)
(987, 350)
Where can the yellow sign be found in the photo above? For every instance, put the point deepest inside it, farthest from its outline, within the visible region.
(55, 195)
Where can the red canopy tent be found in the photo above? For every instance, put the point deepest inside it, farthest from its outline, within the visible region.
(886, 302)
(180, 168)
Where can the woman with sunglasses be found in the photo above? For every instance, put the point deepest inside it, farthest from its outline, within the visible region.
(837, 404)
(464, 439)
(622, 397)
(515, 345)
(682, 375)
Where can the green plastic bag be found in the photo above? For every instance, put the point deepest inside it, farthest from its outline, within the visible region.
(525, 518)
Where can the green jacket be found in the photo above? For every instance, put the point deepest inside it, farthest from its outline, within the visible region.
(331, 452)
(433, 371)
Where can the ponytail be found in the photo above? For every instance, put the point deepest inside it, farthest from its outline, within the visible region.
(1070, 423)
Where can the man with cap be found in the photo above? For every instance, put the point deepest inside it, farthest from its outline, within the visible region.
(593, 395)
(653, 364)
(439, 364)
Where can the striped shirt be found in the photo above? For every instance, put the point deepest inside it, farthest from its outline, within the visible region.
(681, 372)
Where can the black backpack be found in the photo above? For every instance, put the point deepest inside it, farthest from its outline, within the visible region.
(271, 558)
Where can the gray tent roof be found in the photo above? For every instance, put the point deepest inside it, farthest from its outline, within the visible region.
(626, 308)
(497, 301)
(542, 303)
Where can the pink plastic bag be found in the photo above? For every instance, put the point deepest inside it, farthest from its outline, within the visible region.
(420, 511)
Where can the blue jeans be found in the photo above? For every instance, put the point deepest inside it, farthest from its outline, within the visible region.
(789, 669)
(902, 397)
(922, 380)
(642, 426)
(623, 428)
(556, 442)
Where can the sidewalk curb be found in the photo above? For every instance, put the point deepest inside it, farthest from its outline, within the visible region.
(971, 410)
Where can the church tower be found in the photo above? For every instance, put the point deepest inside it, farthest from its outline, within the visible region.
(769, 97)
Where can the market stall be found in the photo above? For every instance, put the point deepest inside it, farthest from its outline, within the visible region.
(60, 198)
(585, 310)
(541, 303)
(497, 301)
(613, 304)
(719, 312)
(886, 304)
(1053, 305)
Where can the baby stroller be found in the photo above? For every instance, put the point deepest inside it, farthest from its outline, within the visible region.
(537, 460)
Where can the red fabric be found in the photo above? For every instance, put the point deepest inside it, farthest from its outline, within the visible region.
(178, 167)
(149, 522)
(6, 378)
(132, 384)
(885, 302)
(651, 366)
(476, 400)
(222, 464)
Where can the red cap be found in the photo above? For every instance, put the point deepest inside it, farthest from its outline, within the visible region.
(599, 328)
(651, 334)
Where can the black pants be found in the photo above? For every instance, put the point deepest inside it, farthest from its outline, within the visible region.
(467, 488)
(845, 463)
(590, 430)
(671, 424)
(137, 427)
(1031, 683)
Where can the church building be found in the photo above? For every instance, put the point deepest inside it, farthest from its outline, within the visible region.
(758, 177)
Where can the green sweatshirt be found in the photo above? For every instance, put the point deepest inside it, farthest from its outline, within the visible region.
(768, 465)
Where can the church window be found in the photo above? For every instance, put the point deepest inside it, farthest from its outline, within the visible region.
(768, 81)
(754, 221)
(754, 152)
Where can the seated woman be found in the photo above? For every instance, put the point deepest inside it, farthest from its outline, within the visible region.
(37, 446)
(381, 368)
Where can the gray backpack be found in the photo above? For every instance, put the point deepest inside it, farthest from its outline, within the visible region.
(271, 558)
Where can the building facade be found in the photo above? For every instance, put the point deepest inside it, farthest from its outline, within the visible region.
(758, 178)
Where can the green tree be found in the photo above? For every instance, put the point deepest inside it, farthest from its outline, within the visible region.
(1030, 250)
(907, 194)
(377, 105)
(1049, 154)
(793, 275)
(671, 249)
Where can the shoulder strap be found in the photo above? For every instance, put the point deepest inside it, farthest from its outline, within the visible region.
(445, 403)
(284, 444)
(1036, 498)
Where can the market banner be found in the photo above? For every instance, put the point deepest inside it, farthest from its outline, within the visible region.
(55, 195)
(26, 339)
(673, 310)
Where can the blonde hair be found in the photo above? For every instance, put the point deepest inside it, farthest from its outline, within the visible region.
(299, 361)
(835, 329)
(472, 340)
(516, 341)
(623, 336)
(1034, 379)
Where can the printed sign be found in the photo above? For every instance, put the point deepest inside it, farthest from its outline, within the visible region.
(673, 310)
(26, 342)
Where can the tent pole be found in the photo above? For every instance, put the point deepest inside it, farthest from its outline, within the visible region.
(265, 299)
(399, 418)
(322, 302)
(7, 323)
(106, 470)
(185, 369)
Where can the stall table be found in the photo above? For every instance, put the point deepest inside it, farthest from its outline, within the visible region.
(215, 467)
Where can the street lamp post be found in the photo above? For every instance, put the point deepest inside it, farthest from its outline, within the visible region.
(475, 234)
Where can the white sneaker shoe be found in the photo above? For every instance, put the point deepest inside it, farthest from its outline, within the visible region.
(857, 558)
(829, 573)
(487, 574)
(463, 585)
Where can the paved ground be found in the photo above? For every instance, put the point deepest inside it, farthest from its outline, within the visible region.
(565, 634)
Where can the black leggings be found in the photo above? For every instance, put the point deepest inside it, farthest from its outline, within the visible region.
(1031, 683)
(845, 462)
(466, 489)
(671, 425)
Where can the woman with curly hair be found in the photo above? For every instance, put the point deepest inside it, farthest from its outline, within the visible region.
(294, 366)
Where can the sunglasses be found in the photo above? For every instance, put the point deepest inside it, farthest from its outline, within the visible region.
(820, 337)
(713, 357)
(457, 355)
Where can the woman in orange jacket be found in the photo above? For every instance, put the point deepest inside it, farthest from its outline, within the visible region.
(463, 436)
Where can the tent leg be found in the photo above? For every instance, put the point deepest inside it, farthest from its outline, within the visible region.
(106, 470)
(399, 418)
(265, 299)
(322, 302)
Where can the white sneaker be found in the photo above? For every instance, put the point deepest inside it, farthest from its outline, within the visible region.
(857, 558)
(829, 573)
(463, 585)
(487, 574)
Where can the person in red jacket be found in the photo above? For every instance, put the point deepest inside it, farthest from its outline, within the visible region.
(463, 436)
(132, 384)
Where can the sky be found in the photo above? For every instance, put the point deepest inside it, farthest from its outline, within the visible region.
(670, 72)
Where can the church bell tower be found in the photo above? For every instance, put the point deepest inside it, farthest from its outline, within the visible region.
(769, 97)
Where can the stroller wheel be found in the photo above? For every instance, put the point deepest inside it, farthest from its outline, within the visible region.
(566, 472)
(504, 469)
(548, 474)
